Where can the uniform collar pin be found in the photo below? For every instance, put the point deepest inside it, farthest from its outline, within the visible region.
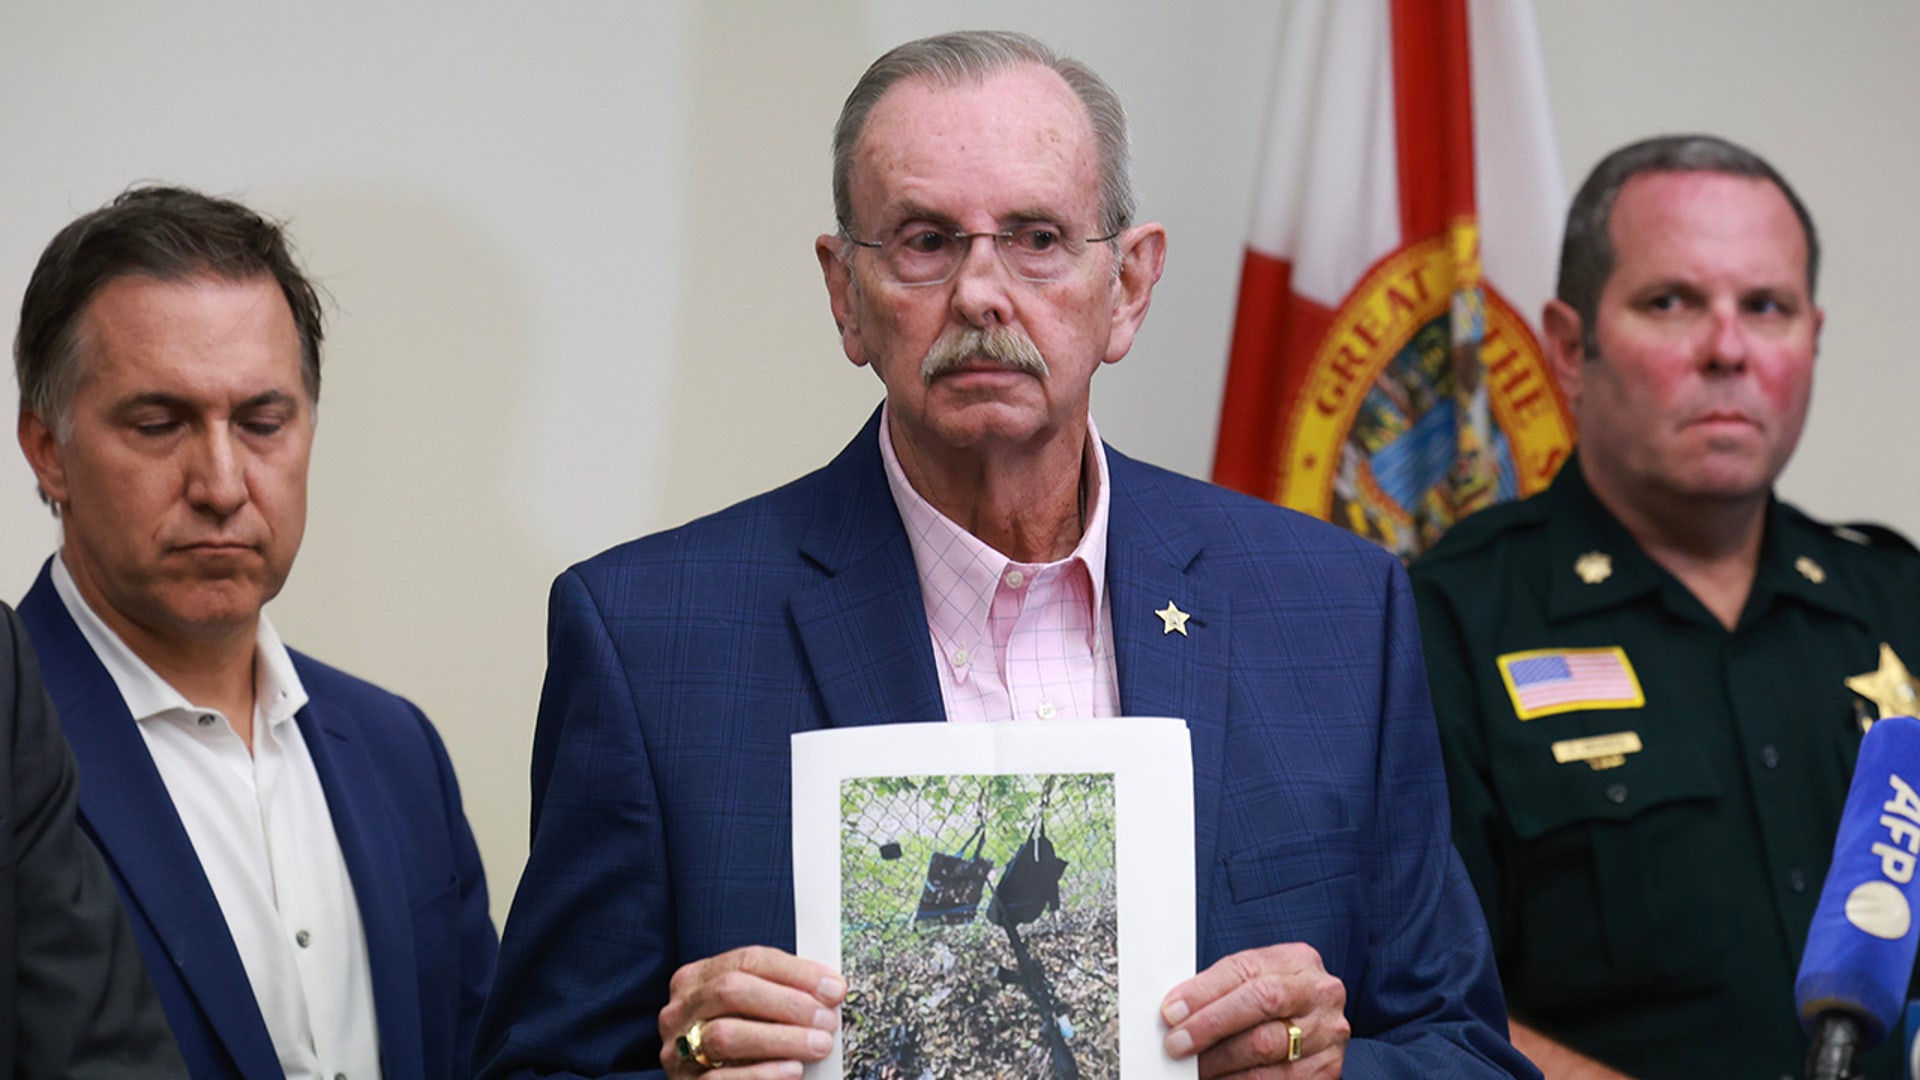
(1594, 567)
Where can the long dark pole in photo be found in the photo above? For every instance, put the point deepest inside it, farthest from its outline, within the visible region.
(1034, 981)
(1029, 886)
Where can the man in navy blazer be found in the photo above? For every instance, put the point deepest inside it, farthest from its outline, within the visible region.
(288, 840)
(653, 927)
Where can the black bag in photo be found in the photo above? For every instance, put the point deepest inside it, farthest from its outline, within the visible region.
(954, 883)
(1030, 884)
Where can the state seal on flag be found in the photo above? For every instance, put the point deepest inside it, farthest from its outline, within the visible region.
(1427, 398)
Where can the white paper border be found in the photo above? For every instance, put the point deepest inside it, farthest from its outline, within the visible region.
(1151, 759)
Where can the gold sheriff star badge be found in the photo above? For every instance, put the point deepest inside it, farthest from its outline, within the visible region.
(1891, 687)
(1174, 618)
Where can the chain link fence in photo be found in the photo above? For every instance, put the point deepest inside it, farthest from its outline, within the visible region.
(978, 927)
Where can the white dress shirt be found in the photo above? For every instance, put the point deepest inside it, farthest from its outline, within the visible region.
(260, 825)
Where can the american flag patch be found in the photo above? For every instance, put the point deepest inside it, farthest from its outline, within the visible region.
(1542, 682)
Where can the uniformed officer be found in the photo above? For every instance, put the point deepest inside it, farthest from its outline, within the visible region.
(1652, 678)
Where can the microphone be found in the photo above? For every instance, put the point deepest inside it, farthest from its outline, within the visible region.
(1860, 949)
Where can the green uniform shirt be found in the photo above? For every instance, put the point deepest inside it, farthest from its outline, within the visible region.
(1651, 912)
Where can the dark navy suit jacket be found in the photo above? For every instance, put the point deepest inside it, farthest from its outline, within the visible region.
(396, 810)
(679, 665)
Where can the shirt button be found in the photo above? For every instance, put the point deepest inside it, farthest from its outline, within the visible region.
(1617, 793)
(960, 657)
(1045, 711)
(1770, 756)
(1015, 579)
(1797, 881)
(206, 719)
(302, 939)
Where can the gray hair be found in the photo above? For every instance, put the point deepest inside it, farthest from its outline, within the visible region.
(1587, 256)
(969, 57)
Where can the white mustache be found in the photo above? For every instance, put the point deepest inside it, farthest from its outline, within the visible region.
(1002, 345)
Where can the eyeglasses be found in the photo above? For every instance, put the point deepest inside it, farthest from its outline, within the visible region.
(922, 254)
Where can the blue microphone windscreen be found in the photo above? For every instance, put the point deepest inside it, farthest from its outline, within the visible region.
(1860, 948)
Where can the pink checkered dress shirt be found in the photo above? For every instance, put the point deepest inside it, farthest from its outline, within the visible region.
(1011, 640)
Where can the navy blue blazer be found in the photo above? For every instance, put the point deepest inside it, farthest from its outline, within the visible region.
(396, 810)
(679, 664)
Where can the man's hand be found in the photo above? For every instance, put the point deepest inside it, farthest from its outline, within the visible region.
(1235, 1015)
(762, 1012)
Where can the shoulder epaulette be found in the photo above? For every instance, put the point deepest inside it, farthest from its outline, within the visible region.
(1873, 535)
(1866, 534)
(1482, 527)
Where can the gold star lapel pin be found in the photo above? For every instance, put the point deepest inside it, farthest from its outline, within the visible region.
(1174, 618)
(1810, 570)
(1594, 567)
(1890, 687)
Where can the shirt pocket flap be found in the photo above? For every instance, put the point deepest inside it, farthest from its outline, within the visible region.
(1541, 794)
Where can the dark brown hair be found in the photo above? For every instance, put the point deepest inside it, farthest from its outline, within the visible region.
(165, 233)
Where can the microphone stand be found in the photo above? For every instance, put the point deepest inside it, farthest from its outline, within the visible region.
(1835, 1053)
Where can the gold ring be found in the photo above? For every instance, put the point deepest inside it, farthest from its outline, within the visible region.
(1293, 1041)
(690, 1049)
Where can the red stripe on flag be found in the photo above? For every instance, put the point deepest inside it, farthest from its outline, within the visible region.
(1433, 102)
(1270, 325)
(1326, 210)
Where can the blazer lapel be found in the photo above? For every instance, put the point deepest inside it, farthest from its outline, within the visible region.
(1163, 672)
(864, 629)
(125, 805)
(372, 857)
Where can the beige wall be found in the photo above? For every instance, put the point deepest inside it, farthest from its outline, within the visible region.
(569, 247)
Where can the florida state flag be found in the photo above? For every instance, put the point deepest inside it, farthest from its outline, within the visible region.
(1386, 374)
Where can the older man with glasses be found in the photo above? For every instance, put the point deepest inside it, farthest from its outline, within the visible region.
(978, 554)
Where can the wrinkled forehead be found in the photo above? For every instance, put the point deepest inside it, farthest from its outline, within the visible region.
(1012, 143)
(203, 328)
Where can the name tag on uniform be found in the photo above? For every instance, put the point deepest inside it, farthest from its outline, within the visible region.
(1542, 682)
(1598, 751)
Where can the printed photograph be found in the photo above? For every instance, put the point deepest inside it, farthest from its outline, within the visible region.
(979, 927)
